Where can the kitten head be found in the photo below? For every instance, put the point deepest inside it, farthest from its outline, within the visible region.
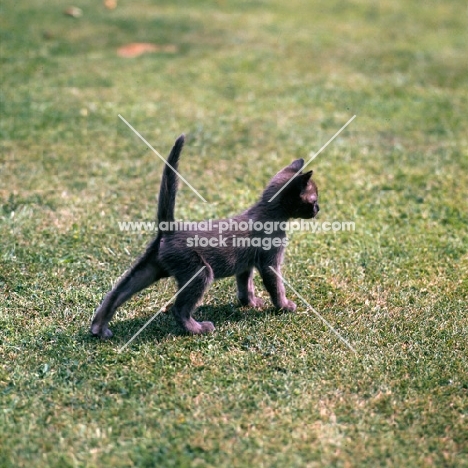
(294, 192)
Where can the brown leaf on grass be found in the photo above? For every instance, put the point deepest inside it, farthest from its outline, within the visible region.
(196, 359)
(135, 49)
(74, 12)
(110, 4)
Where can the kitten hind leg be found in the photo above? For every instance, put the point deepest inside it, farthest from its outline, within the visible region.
(190, 296)
(246, 290)
(141, 275)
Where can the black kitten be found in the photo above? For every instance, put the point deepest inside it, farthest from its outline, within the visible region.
(225, 248)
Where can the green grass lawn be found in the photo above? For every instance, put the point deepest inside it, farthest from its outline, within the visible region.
(254, 85)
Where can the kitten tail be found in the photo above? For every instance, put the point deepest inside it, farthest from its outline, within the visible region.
(169, 183)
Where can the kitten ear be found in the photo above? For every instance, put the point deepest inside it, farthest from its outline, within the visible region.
(296, 165)
(304, 178)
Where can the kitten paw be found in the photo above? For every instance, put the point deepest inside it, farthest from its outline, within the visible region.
(207, 327)
(290, 306)
(100, 332)
(256, 303)
(193, 327)
(106, 333)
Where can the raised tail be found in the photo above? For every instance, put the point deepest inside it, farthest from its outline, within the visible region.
(169, 183)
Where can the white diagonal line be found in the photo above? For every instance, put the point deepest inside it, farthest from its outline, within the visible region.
(313, 157)
(161, 309)
(165, 162)
(314, 311)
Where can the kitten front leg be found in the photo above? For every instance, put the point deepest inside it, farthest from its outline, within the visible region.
(275, 287)
(246, 290)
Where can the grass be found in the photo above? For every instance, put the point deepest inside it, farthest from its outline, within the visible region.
(253, 85)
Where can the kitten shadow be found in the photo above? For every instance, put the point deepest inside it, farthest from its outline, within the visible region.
(164, 325)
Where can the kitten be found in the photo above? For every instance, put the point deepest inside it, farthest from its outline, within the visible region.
(236, 252)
